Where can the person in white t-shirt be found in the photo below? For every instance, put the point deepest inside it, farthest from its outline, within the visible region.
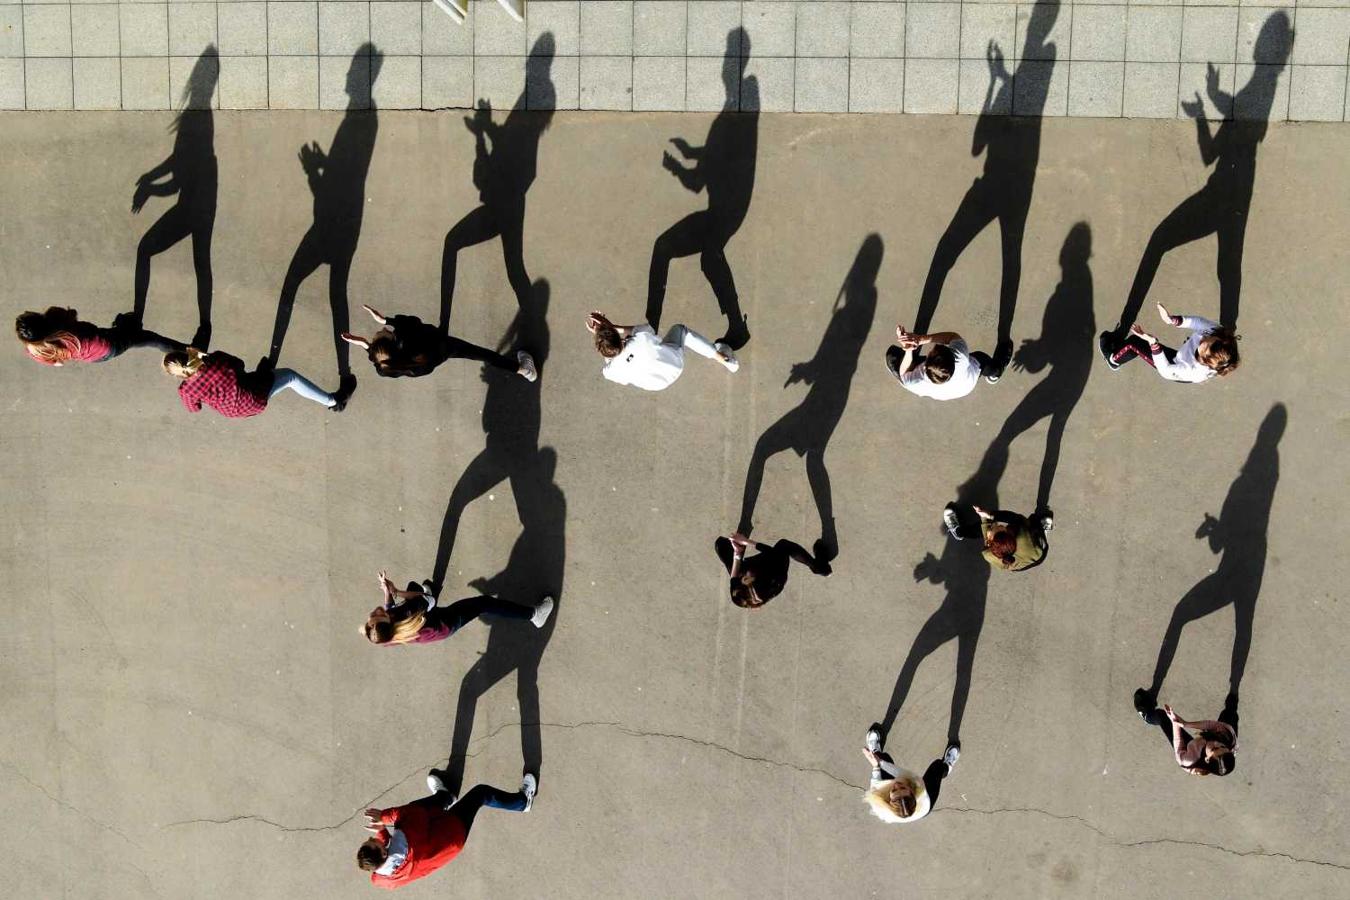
(896, 795)
(947, 371)
(635, 355)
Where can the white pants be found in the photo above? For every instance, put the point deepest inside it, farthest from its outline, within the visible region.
(683, 336)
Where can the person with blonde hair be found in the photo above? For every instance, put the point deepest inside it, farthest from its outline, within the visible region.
(218, 380)
(58, 336)
(411, 616)
(1210, 350)
(898, 796)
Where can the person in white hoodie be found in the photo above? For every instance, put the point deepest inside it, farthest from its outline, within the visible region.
(1210, 349)
(896, 795)
(635, 355)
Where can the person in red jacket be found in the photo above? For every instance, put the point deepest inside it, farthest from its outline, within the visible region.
(414, 840)
(218, 380)
(58, 336)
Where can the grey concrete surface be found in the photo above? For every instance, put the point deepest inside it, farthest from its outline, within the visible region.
(190, 712)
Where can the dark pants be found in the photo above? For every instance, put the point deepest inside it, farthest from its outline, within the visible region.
(462, 612)
(1134, 346)
(455, 348)
(932, 777)
(477, 797)
(131, 337)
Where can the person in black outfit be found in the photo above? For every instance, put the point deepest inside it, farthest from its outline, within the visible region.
(407, 346)
(757, 580)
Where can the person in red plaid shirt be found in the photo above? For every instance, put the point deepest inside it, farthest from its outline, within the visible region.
(218, 380)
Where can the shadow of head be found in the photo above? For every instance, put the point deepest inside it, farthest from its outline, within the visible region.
(540, 60)
(1077, 249)
(1274, 43)
(1042, 19)
(201, 83)
(361, 74)
(736, 57)
(863, 273)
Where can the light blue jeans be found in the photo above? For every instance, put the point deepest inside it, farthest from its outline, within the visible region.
(293, 380)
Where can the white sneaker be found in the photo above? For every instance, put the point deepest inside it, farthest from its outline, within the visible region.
(951, 521)
(542, 611)
(527, 369)
(455, 9)
(727, 358)
(514, 8)
(529, 786)
(429, 591)
(952, 755)
(873, 740)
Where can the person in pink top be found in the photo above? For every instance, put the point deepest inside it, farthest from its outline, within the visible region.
(58, 336)
(1202, 747)
(412, 617)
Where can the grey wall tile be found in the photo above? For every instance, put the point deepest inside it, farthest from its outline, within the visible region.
(659, 28)
(144, 29)
(1099, 33)
(1150, 90)
(606, 81)
(396, 30)
(560, 19)
(1317, 93)
(11, 84)
(145, 83)
(442, 37)
(974, 90)
(497, 34)
(878, 31)
(399, 85)
(931, 85)
(93, 32)
(822, 28)
(557, 87)
(293, 81)
(98, 81)
(703, 89)
(709, 23)
(447, 82)
(985, 22)
(876, 86)
(192, 26)
(11, 31)
(658, 83)
(243, 81)
(1096, 88)
(292, 28)
(822, 85)
(343, 26)
(1322, 36)
(770, 84)
(46, 32)
(499, 79)
(933, 30)
(49, 83)
(1154, 34)
(1208, 34)
(243, 32)
(772, 27)
(607, 28)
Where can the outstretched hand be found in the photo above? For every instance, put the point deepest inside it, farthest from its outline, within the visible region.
(595, 320)
(373, 823)
(801, 372)
(1031, 356)
(994, 55)
(1195, 109)
(140, 195)
(682, 145)
(1138, 331)
(928, 569)
(311, 158)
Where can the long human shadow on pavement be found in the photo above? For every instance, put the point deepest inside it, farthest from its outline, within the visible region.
(337, 179)
(506, 160)
(1222, 205)
(724, 167)
(1012, 147)
(1239, 534)
(511, 421)
(1066, 346)
(191, 173)
(807, 428)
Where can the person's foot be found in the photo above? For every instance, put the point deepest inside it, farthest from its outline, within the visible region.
(873, 739)
(126, 321)
(542, 610)
(950, 519)
(438, 789)
(514, 8)
(527, 369)
(1144, 703)
(1106, 343)
(1003, 354)
(346, 387)
(429, 591)
(1047, 520)
(529, 786)
(737, 336)
(824, 551)
(455, 9)
(726, 357)
(893, 356)
(952, 754)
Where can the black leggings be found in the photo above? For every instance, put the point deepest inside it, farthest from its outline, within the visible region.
(932, 777)
(124, 339)
(462, 612)
(456, 348)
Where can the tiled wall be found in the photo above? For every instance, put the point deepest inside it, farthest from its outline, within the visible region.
(1111, 59)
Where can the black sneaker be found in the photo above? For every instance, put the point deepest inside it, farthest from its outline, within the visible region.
(1144, 703)
(1003, 355)
(202, 339)
(893, 356)
(346, 387)
(953, 523)
(737, 336)
(1106, 343)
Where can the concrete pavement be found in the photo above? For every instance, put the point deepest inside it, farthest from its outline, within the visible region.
(191, 711)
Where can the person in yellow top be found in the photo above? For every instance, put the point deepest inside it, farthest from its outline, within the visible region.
(1012, 542)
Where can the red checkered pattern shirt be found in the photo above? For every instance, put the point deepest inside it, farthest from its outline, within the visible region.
(222, 384)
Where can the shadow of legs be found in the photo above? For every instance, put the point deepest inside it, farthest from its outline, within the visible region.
(478, 226)
(1190, 221)
(773, 441)
(1206, 597)
(480, 476)
(819, 478)
(684, 238)
(170, 228)
(975, 212)
(308, 257)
